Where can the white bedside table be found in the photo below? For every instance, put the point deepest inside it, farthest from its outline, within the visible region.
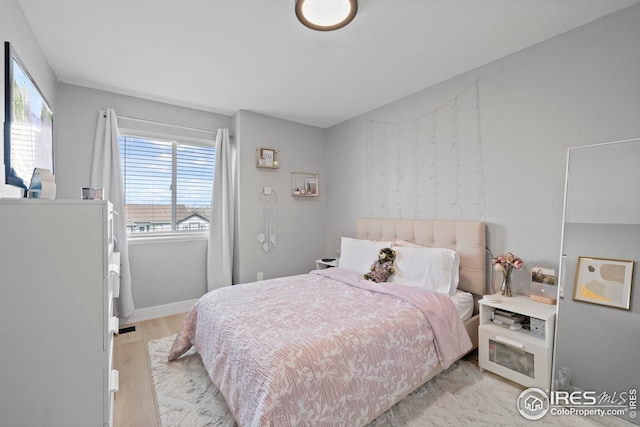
(320, 264)
(523, 355)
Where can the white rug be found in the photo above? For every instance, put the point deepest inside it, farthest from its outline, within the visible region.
(461, 396)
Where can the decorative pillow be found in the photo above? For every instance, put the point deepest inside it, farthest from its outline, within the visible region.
(358, 254)
(400, 242)
(434, 269)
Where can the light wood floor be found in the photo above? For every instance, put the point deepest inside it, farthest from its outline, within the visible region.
(135, 404)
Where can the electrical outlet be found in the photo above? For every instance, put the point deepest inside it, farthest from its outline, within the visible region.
(260, 276)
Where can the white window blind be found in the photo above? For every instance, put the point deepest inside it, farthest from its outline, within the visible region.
(167, 185)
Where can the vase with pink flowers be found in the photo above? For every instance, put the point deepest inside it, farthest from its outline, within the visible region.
(506, 264)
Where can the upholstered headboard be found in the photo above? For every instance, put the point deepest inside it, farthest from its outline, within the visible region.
(467, 238)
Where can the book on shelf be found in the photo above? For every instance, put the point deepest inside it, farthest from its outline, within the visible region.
(505, 313)
(508, 320)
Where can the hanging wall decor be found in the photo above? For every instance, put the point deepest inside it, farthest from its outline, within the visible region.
(430, 166)
(267, 218)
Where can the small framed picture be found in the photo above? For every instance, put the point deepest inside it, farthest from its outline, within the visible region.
(267, 155)
(543, 276)
(603, 281)
(311, 186)
(543, 285)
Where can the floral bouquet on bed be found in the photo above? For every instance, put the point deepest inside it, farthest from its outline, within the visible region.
(506, 264)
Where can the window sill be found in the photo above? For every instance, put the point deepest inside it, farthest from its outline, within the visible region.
(166, 237)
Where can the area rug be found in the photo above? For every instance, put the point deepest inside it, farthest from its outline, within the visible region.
(462, 395)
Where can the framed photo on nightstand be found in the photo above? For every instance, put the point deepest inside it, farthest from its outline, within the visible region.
(543, 289)
(543, 276)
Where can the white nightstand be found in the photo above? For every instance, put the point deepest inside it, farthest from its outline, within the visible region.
(320, 264)
(524, 355)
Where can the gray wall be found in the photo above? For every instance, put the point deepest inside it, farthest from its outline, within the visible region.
(579, 88)
(582, 87)
(300, 221)
(166, 271)
(77, 118)
(15, 29)
(600, 184)
(163, 271)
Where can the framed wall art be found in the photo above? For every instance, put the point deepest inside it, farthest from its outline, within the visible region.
(311, 186)
(603, 281)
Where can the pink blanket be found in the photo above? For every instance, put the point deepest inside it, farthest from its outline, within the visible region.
(323, 349)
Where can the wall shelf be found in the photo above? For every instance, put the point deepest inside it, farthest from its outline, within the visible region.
(267, 158)
(304, 184)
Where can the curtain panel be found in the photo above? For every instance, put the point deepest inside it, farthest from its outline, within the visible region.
(221, 230)
(106, 173)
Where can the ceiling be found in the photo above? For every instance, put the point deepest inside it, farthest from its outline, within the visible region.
(226, 55)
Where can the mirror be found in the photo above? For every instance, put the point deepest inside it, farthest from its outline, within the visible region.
(597, 343)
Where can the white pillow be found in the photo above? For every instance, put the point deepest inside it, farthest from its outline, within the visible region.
(358, 254)
(434, 269)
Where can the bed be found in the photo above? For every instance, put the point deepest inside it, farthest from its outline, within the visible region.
(467, 238)
(330, 348)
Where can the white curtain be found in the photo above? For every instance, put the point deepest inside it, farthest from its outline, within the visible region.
(106, 173)
(221, 230)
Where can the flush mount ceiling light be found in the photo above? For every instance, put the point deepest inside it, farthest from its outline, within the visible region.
(326, 15)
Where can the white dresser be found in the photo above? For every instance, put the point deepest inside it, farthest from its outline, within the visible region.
(58, 278)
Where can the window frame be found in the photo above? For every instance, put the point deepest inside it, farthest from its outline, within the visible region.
(175, 141)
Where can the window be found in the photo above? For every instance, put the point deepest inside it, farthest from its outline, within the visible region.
(167, 185)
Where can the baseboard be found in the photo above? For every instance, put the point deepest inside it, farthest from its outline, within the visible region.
(148, 313)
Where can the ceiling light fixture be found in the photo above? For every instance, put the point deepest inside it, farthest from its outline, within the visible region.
(326, 15)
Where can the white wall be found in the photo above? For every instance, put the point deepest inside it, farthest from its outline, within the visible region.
(15, 29)
(582, 87)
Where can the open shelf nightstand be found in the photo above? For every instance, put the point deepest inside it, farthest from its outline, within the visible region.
(523, 355)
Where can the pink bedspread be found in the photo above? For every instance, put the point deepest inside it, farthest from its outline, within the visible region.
(324, 349)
